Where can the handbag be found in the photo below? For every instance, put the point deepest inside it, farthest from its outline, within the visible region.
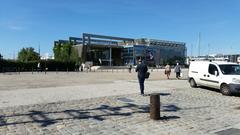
(147, 75)
(181, 74)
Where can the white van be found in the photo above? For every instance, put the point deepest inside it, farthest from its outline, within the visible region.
(221, 75)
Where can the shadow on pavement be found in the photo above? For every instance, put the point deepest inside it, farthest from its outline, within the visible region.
(161, 94)
(169, 117)
(170, 108)
(46, 118)
(210, 89)
(165, 94)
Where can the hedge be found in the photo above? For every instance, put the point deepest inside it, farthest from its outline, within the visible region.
(49, 65)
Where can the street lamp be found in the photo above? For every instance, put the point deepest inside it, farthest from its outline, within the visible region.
(1, 66)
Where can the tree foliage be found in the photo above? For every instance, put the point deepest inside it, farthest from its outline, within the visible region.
(28, 54)
(66, 53)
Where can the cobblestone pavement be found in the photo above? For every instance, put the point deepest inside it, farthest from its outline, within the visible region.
(183, 112)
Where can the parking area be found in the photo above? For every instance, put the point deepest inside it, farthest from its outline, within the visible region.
(110, 104)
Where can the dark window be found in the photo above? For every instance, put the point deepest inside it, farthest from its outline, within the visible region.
(211, 69)
(230, 69)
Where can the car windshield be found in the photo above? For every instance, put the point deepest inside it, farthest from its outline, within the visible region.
(230, 69)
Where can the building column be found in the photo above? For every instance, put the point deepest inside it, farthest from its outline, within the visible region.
(110, 56)
(133, 57)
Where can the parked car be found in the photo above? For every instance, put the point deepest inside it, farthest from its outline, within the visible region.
(221, 75)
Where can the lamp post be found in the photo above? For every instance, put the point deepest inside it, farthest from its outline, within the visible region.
(1, 57)
(1, 66)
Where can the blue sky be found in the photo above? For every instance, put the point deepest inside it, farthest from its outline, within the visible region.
(30, 23)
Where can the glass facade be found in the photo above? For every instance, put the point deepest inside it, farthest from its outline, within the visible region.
(99, 56)
(153, 54)
(104, 56)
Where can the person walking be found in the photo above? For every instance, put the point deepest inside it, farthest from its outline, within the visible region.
(130, 68)
(177, 70)
(167, 70)
(142, 70)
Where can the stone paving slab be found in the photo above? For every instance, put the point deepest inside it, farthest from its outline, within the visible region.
(183, 112)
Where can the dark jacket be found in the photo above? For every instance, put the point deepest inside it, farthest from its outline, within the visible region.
(141, 69)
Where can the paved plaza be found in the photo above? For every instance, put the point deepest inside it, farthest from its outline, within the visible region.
(108, 103)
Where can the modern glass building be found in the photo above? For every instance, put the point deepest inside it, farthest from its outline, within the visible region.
(154, 52)
(117, 51)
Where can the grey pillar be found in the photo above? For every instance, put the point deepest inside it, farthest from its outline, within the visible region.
(110, 57)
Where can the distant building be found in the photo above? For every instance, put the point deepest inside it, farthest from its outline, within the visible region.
(233, 57)
(219, 57)
(117, 51)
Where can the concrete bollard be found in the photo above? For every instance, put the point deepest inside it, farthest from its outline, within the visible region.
(155, 106)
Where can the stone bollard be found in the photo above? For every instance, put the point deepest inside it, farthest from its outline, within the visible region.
(155, 106)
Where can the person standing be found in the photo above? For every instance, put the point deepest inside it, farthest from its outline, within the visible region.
(39, 67)
(142, 70)
(167, 70)
(177, 70)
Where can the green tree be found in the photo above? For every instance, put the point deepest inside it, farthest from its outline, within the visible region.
(74, 56)
(28, 54)
(66, 53)
(57, 52)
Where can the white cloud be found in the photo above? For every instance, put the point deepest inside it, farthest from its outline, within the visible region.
(14, 27)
